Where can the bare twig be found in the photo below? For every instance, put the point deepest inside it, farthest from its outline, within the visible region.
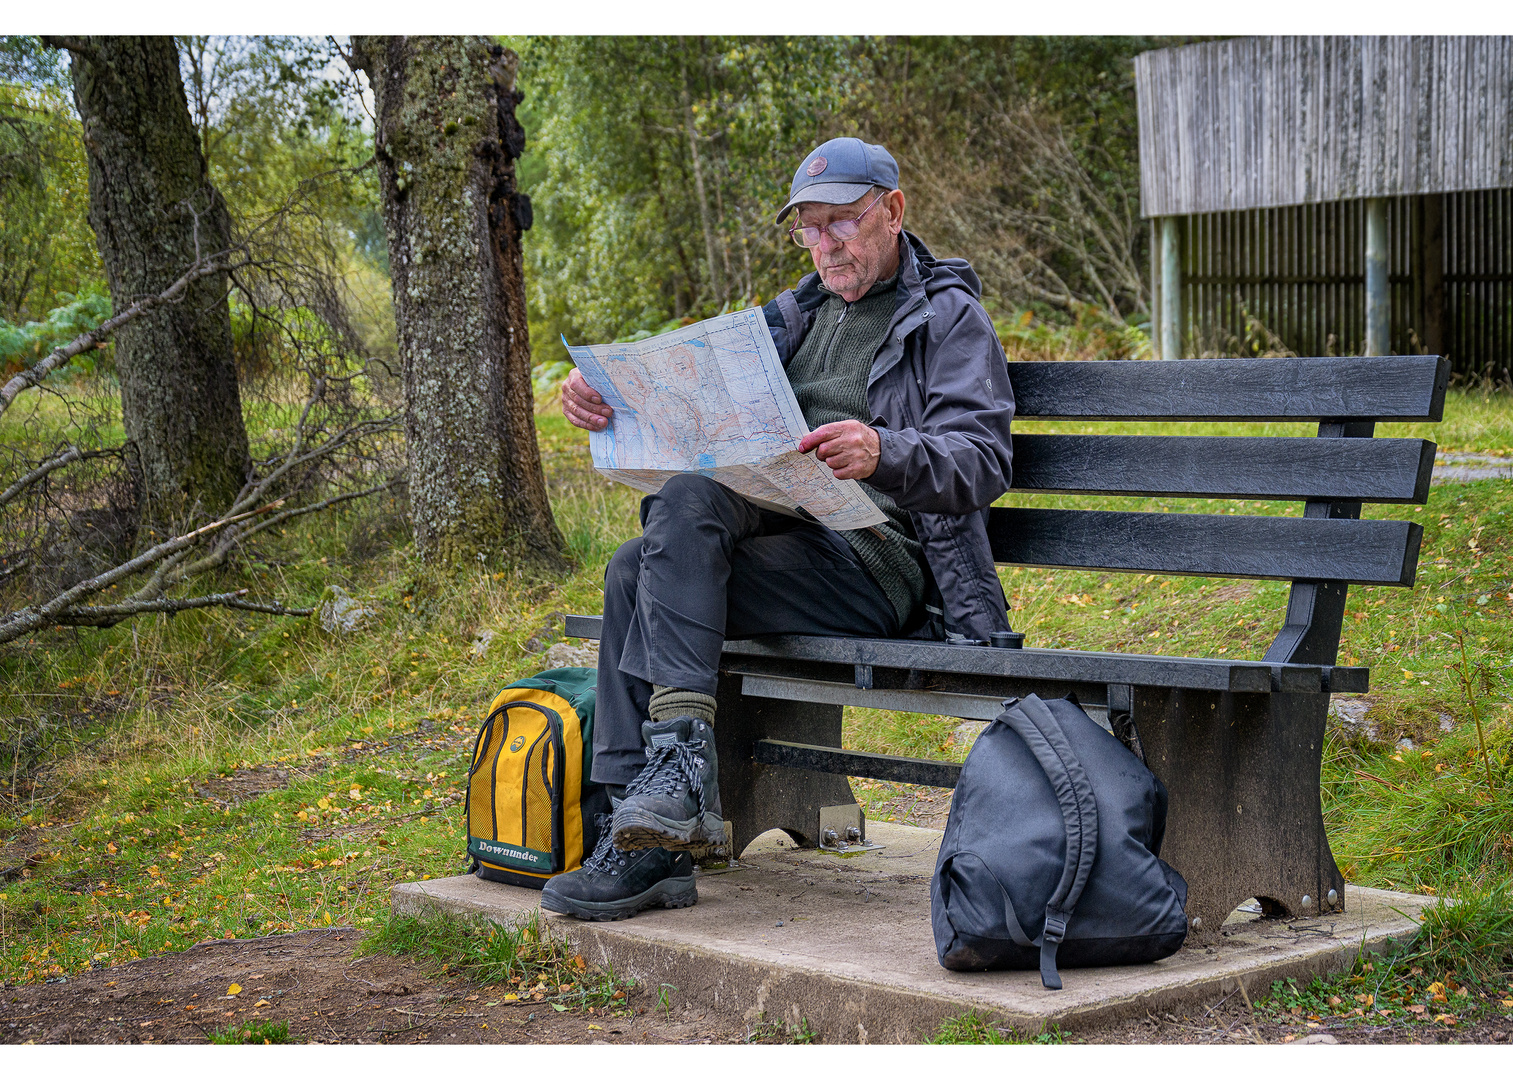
(104, 615)
(202, 267)
(67, 457)
(40, 616)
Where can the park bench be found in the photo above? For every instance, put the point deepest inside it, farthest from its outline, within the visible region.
(1238, 743)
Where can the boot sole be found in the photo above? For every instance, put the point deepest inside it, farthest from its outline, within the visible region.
(636, 830)
(667, 893)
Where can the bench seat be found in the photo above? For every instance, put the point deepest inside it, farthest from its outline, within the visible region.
(1238, 742)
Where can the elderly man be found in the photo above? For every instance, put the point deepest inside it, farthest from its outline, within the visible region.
(905, 387)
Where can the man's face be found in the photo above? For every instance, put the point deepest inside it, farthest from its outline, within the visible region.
(853, 267)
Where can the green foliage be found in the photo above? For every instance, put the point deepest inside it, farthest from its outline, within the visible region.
(46, 245)
(1093, 334)
(253, 1033)
(619, 243)
(22, 346)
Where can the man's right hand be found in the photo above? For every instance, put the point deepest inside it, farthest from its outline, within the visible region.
(582, 406)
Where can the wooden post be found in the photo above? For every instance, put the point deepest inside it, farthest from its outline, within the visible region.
(1171, 288)
(1155, 308)
(1378, 292)
(1429, 273)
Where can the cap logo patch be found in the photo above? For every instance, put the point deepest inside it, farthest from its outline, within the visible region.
(817, 166)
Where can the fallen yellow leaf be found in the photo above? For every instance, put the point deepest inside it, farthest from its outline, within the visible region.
(261, 1002)
(233, 990)
(511, 997)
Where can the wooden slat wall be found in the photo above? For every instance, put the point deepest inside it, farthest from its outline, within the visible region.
(1293, 279)
(1278, 121)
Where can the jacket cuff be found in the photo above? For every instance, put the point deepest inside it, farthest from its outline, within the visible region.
(892, 457)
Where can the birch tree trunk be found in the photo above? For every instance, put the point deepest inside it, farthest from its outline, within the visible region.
(446, 143)
(154, 212)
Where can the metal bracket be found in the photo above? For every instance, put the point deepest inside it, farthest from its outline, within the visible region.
(843, 830)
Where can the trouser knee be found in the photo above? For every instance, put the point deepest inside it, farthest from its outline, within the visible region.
(624, 568)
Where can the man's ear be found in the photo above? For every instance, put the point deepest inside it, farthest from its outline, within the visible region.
(895, 203)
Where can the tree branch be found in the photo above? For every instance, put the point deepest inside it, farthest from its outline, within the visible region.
(70, 44)
(106, 615)
(90, 338)
(40, 616)
(67, 457)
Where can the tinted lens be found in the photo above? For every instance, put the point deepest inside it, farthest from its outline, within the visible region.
(845, 230)
(805, 236)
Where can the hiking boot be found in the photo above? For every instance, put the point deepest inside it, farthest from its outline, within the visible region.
(615, 884)
(675, 802)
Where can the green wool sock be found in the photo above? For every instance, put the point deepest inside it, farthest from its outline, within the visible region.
(668, 702)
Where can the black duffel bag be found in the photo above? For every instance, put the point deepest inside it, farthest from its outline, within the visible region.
(1050, 852)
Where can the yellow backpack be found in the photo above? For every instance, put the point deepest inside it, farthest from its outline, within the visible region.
(531, 806)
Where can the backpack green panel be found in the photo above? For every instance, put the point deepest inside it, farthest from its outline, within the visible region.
(578, 686)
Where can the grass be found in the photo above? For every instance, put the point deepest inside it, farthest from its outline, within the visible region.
(260, 1033)
(973, 1029)
(523, 958)
(225, 774)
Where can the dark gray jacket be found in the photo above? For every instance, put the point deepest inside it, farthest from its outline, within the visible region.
(941, 401)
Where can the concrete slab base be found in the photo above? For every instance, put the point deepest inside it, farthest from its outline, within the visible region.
(845, 943)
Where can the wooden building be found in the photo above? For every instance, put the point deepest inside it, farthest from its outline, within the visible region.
(1331, 195)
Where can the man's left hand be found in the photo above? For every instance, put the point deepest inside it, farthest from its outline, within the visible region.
(850, 448)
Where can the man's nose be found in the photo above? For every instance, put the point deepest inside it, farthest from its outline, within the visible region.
(829, 243)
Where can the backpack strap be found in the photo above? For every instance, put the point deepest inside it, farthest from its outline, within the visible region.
(1033, 721)
(788, 308)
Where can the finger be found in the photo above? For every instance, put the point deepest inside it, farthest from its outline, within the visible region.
(579, 387)
(821, 434)
(582, 417)
(586, 405)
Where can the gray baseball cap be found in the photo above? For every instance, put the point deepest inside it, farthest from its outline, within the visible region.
(839, 172)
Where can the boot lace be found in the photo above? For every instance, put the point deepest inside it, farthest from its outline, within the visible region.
(606, 858)
(670, 767)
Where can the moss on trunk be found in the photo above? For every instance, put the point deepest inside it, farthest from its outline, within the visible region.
(446, 144)
(149, 199)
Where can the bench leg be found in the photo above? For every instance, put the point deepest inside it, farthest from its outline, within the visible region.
(761, 797)
(1244, 818)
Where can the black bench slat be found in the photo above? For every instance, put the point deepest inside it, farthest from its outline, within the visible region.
(830, 759)
(1399, 388)
(1360, 552)
(1345, 470)
(1047, 665)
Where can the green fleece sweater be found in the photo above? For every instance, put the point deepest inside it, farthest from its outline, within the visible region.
(829, 378)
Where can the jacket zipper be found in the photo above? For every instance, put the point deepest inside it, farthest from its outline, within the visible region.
(834, 337)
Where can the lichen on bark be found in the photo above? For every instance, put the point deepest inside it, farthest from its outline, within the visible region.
(445, 143)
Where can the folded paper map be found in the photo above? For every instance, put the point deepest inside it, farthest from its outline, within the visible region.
(712, 398)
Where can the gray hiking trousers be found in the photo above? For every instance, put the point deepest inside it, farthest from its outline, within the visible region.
(707, 566)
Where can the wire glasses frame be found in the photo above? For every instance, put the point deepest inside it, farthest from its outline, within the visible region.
(808, 236)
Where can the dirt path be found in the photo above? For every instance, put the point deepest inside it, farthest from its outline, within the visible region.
(310, 980)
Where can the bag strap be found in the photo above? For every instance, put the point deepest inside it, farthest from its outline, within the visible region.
(1033, 721)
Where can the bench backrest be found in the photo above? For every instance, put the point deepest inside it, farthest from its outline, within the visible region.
(1322, 552)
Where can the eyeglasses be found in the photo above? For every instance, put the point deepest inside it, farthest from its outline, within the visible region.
(808, 236)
